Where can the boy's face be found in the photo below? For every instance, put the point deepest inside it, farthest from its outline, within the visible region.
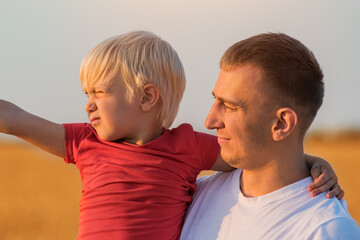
(110, 113)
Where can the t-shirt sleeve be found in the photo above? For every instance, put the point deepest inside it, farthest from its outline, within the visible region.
(208, 149)
(339, 228)
(75, 133)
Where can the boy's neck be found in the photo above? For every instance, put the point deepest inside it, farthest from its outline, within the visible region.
(147, 133)
(150, 136)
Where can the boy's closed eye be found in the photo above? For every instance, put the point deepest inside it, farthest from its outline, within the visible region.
(96, 92)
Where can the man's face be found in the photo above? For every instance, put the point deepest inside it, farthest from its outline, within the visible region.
(110, 113)
(241, 116)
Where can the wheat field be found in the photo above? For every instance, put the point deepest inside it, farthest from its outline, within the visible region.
(40, 193)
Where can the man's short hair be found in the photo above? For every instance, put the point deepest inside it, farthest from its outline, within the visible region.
(289, 67)
(138, 58)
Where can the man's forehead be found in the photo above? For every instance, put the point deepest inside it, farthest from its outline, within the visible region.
(239, 85)
(245, 70)
(241, 78)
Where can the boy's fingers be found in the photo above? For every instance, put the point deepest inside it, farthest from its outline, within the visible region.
(318, 181)
(340, 195)
(323, 188)
(329, 173)
(315, 172)
(335, 191)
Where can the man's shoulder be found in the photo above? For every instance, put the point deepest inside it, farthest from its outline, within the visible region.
(328, 209)
(219, 182)
(328, 218)
(218, 177)
(341, 227)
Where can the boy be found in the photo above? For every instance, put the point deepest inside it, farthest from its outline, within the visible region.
(138, 176)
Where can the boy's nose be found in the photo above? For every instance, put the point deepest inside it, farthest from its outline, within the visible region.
(90, 106)
(214, 118)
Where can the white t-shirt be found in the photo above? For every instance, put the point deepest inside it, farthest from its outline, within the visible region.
(220, 211)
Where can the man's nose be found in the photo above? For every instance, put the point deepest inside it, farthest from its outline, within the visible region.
(214, 118)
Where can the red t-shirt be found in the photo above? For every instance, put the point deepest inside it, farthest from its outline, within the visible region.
(137, 191)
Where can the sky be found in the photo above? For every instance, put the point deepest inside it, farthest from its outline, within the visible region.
(43, 43)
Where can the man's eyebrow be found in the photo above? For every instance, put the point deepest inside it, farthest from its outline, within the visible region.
(239, 103)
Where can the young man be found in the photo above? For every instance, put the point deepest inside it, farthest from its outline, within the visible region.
(268, 92)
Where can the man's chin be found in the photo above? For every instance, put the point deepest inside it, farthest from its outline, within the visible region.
(231, 160)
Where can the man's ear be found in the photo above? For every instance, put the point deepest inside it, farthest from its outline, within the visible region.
(284, 124)
(150, 96)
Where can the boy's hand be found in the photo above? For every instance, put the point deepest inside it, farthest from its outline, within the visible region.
(324, 179)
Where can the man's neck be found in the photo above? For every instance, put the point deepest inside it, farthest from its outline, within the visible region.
(277, 174)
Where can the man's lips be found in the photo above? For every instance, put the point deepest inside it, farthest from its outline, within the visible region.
(222, 140)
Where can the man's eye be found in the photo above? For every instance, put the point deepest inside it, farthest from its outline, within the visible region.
(229, 108)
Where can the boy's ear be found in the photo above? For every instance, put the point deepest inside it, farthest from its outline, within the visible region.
(150, 97)
(284, 124)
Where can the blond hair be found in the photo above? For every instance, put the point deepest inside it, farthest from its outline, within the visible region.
(138, 58)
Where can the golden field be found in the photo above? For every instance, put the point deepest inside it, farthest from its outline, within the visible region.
(40, 193)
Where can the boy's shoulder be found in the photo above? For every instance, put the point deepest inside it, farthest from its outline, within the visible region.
(79, 131)
(79, 127)
(183, 126)
(187, 127)
(186, 133)
(187, 130)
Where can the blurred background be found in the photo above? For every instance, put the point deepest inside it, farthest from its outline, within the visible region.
(43, 43)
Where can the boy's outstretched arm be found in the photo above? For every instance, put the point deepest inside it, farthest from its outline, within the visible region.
(40, 132)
